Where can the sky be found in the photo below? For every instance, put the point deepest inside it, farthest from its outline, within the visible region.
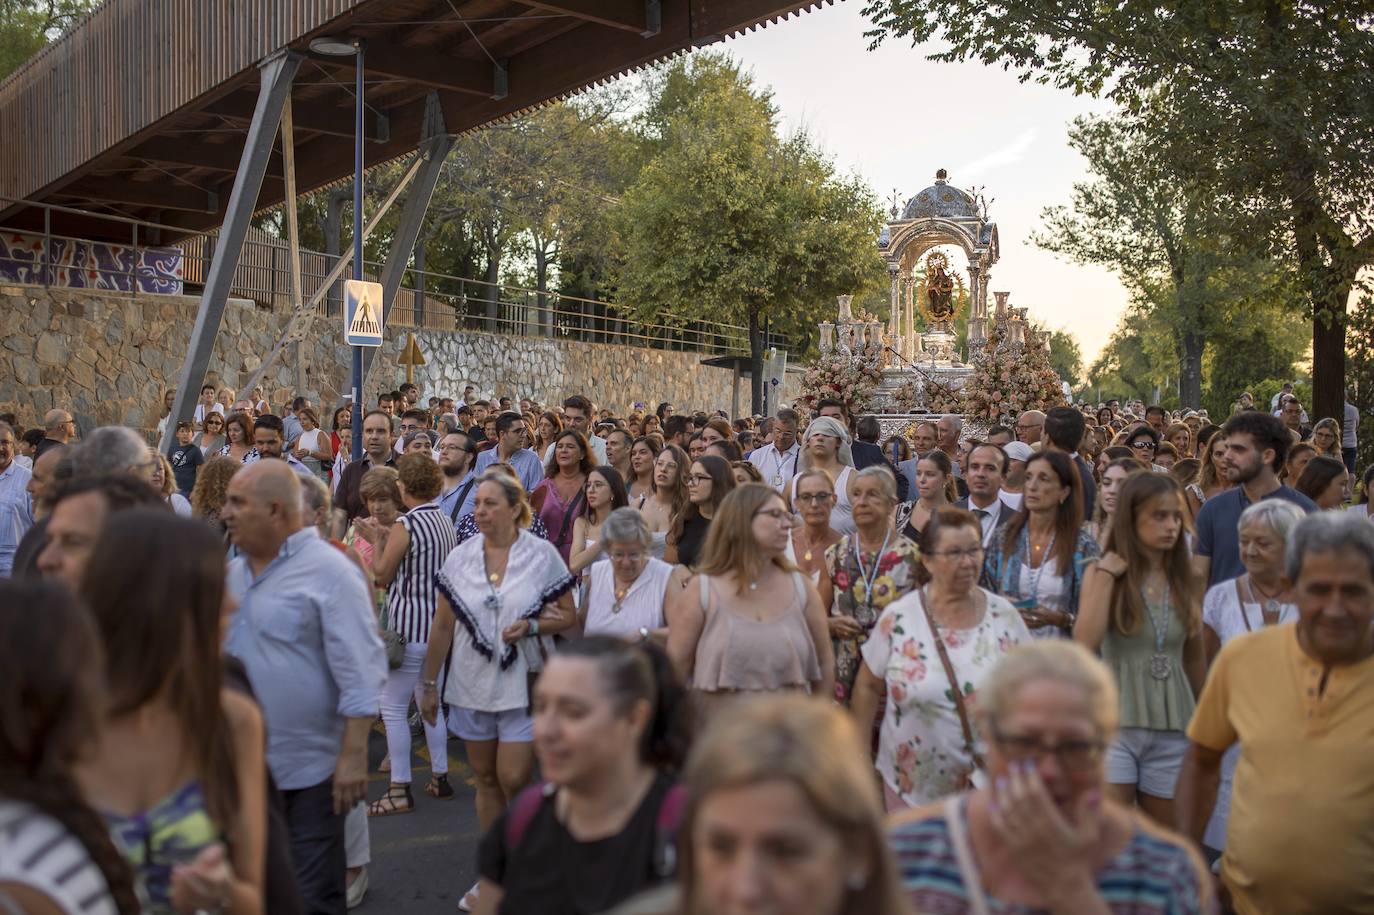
(894, 118)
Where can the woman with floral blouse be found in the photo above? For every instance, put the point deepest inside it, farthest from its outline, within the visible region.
(931, 650)
(865, 571)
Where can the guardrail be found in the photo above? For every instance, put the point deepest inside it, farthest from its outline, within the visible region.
(427, 300)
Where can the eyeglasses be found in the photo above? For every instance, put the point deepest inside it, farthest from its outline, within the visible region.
(625, 557)
(816, 497)
(782, 516)
(957, 555)
(1026, 428)
(1073, 755)
(699, 478)
(1144, 446)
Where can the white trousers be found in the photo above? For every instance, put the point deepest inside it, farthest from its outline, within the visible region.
(401, 684)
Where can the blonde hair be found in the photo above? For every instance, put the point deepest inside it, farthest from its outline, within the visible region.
(169, 480)
(1050, 659)
(380, 483)
(815, 472)
(730, 549)
(212, 485)
(813, 746)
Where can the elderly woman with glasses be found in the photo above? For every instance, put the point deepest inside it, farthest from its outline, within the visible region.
(930, 651)
(865, 571)
(625, 596)
(1041, 835)
(825, 446)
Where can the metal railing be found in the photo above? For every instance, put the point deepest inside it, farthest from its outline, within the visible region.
(448, 303)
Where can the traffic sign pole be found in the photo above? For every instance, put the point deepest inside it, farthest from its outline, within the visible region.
(358, 245)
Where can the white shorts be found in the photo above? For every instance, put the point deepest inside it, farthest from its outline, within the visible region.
(1148, 759)
(511, 726)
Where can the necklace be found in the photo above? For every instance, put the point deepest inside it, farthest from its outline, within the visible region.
(1269, 606)
(620, 595)
(868, 576)
(808, 543)
(493, 600)
(1159, 661)
(1039, 570)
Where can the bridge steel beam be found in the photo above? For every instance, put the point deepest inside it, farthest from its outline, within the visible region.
(435, 143)
(277, 73)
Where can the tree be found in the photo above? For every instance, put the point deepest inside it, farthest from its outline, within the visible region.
(1280, 96)
(732, 222)
(26, 27)
(1066, 357)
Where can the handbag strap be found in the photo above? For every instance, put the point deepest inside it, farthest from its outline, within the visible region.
(568, 518)
(963, 853)
(1240, 603)
(462, 497)
(958, 693)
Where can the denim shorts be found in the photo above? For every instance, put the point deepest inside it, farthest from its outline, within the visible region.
(1148, 759)
(511, 726)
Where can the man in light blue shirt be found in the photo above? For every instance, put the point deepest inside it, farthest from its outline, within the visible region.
(456, 452)
(291, 426)
(510, 449)
(16, 506)
(306, 634)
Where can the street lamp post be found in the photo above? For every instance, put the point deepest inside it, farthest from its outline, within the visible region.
(345, 47)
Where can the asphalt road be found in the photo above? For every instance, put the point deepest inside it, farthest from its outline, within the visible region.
(422, 862)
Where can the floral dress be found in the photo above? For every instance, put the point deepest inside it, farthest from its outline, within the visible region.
(922, 755)
(895, 577)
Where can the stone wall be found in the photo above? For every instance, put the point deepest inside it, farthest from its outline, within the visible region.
(109, 357)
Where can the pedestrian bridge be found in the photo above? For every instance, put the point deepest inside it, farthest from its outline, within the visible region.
(144, 108)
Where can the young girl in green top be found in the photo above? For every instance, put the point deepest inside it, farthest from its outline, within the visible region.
(1142, 609)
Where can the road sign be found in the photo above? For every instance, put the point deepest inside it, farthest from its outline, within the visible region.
(411, 357)
(362, 313)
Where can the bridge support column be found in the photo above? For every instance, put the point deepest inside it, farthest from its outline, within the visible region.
(277, 71)
(435, 143)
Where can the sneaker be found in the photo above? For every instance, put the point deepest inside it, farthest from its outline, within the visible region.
(358, 888)
(469, 899)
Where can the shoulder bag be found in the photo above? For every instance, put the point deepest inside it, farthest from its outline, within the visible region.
(978, 776)
(392, 641)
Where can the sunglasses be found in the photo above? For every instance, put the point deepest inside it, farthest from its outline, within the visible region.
(1144, 446)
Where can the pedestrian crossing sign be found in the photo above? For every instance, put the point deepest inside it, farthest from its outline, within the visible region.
(362, 313)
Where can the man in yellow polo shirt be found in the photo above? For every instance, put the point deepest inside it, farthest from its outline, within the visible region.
(1299, 700)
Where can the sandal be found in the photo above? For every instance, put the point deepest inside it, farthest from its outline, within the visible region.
(439, 787)
(387, 804)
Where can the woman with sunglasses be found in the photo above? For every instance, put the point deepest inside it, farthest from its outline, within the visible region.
(211, 437)
(929, 651)
(1043, 835)
(1144, 444)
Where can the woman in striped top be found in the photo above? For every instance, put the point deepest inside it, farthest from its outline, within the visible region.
(56, 854)
(1044, 836)
(411, 555)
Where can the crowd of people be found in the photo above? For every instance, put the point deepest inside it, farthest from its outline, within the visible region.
(1110, 659)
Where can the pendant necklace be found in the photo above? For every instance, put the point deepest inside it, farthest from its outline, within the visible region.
(1269, 606)
(620, 596)
(869, 577)
(1159, 661)
(493, 600)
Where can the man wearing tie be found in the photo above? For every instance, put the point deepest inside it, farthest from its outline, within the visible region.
(987, 468)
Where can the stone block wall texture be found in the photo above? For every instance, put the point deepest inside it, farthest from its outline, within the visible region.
(108, 358)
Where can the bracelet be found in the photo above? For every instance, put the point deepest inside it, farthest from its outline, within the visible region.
(534, 626)
(430, 684)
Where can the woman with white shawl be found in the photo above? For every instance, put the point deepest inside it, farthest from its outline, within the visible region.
(500, 594)
(825, 446)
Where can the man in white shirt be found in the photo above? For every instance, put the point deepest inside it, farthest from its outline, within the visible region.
(777, 460)
(1018, 456)
(986, 470)
(577, 414)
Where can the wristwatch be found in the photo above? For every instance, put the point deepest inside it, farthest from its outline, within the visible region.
(643, 634)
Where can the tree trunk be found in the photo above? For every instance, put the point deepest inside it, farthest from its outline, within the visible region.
(1328, 354)
(1190, 381)
(541, 283)
(756, 363)
(492, 290)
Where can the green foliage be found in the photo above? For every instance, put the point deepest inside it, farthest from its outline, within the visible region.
(26, 27)
(1066, 357)
(1275, 100)
(731, 222)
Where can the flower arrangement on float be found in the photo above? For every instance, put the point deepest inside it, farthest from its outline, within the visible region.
(840, 376)
(1010, 377)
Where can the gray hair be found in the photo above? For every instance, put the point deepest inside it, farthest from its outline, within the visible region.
(1279, 515)
(625, 525)
(314, 495)
(110, 449)
(1331, 532)
(886, 481)
(1051, 659)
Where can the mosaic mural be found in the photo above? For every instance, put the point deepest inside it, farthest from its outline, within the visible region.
(90, 265)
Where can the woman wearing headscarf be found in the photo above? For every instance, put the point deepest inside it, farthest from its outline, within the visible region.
(825, 446)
